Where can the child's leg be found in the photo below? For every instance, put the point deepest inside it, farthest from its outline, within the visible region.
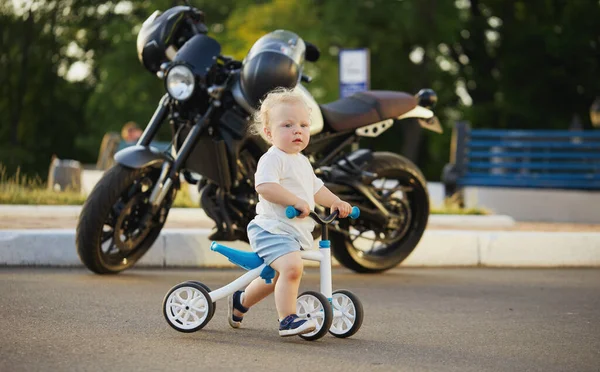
(255, 292)
(289, 267)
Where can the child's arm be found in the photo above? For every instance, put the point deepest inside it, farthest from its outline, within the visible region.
(326, 198)
(275, 193)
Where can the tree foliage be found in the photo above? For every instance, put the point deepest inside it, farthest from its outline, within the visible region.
(496, 63)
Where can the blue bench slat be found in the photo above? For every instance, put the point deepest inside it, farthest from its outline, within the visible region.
(559, 159)
(541, 166)
(506, 182)
(533, 155)
(538, 176)
(495, 133)
(532, 144)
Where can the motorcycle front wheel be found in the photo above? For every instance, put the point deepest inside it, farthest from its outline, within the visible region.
(368, 246)
(114, 229)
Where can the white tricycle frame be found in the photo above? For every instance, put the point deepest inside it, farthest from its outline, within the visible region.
(190, 305)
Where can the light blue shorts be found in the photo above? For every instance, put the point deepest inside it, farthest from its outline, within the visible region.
(270, 246)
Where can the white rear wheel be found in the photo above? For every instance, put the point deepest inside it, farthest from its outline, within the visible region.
(187, 307)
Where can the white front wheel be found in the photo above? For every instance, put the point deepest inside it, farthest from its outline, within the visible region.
(187, 307)
(347, 314)
(315, 306)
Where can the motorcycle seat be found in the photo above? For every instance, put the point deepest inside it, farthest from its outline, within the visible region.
(368, 107)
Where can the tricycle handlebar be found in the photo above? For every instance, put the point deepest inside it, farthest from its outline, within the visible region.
(292, 212)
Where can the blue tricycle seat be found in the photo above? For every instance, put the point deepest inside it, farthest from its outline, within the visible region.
(246, 260)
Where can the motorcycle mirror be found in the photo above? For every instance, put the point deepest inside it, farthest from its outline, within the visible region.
(312, 53)
(427, 98)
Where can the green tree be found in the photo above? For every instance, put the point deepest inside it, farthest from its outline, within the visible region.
(496, 63)
(532, 64)
(42, 110)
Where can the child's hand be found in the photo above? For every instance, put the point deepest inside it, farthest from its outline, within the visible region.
(344, 208)
(303, 207)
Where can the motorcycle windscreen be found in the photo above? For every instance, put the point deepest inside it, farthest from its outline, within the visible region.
(200, 52)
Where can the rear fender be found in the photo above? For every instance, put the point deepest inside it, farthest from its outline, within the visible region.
(139, 156)
(426, 118)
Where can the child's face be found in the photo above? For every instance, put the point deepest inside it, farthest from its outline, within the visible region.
(289, 127)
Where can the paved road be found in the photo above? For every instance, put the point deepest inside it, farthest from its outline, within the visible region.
(416, 320)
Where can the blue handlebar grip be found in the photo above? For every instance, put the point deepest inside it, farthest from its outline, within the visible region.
(291, 212)
(355, 213)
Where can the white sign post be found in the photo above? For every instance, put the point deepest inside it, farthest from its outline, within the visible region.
(354, 71)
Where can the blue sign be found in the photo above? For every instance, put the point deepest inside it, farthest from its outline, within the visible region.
(354, 71)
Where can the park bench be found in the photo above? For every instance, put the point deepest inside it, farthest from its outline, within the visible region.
(548, 159)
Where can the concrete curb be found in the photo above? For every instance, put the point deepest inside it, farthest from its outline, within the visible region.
(438, 248)
(190, 214)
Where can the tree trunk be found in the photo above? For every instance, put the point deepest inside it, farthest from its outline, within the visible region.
(22, 82)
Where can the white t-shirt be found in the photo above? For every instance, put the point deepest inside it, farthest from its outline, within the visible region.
(294, 173)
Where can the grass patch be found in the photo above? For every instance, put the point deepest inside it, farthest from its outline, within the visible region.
(452, 206)
(20, 189)
(458, 210)
(182, 199)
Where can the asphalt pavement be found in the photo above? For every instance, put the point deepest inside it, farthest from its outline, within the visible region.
(415, 320)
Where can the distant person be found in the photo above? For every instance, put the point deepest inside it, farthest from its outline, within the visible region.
(131, 132)
(108, 147)
(112, 142)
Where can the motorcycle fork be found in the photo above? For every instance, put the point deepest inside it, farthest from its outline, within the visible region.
(154, 124)
(170, 172)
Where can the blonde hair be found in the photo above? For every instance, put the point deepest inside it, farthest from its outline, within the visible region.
(273, 98)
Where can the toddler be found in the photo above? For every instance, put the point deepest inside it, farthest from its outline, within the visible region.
(283, 177)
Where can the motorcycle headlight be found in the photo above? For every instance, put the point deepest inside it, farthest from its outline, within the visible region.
(180, 82)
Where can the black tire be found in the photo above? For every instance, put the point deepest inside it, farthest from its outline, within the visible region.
(170, 303)
(390, 166)
(98, 209)
(208, 291)
(355, 309)
(323, 311)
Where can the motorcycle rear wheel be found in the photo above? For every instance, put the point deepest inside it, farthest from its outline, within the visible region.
(401, 242)
(118, 201)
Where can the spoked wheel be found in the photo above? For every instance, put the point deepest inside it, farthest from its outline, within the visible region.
(115, 229)
(347, 314)
(208, 291)
(314, 305)
(188, 307)
(374, 242)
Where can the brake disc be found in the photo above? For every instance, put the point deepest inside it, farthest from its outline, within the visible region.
(127, 232)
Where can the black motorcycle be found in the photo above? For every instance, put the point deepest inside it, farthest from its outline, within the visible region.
(208, 105)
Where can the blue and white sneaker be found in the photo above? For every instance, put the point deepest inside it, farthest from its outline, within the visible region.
(292, 325)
